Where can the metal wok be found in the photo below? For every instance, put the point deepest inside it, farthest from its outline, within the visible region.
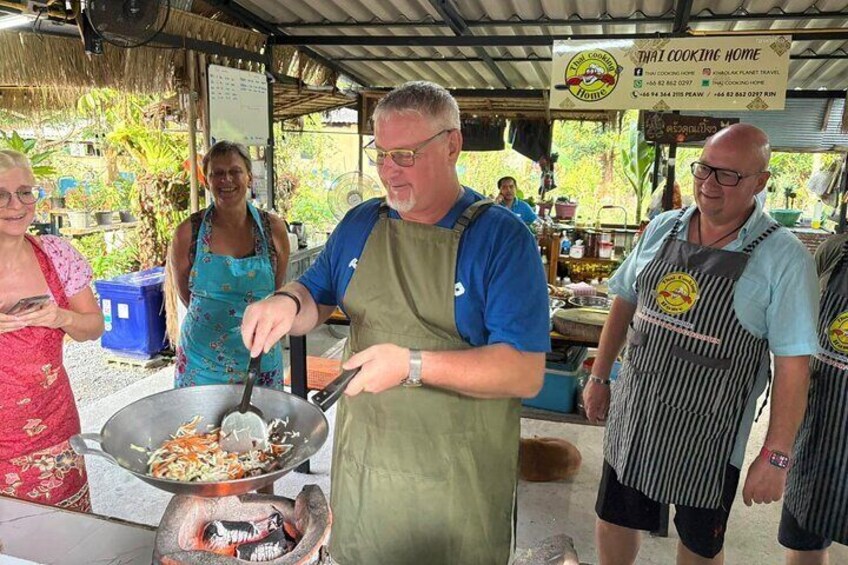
(148, 422)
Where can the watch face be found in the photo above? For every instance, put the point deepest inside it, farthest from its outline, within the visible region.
(779, 459)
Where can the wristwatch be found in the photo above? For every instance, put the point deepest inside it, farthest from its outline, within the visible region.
(776, 458)
(413, 379)
(599, 380)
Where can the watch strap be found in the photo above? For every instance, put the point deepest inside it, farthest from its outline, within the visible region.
(413, 379)
(776, 458)
(291, 295)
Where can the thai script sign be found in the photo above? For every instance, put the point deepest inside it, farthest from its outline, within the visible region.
(674, 128)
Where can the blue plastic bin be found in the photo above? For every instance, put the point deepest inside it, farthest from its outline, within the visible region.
(558, 390)
(132, 309)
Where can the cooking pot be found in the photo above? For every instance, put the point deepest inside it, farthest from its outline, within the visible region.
(132, 433)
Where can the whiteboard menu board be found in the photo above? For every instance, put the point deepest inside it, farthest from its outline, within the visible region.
(238, 106)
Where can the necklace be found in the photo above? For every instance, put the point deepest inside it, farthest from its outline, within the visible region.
(728, 234)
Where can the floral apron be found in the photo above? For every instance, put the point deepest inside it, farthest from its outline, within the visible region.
(39, 413)
(211, 350)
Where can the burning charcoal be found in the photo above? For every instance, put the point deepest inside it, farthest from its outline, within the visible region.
(220, 534)
(268, 548)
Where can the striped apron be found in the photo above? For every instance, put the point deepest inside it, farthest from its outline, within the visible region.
(689, 370)
(817, 486)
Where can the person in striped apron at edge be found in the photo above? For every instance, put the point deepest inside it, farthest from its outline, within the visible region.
(449, 327)
(815, 511)
(704, 298)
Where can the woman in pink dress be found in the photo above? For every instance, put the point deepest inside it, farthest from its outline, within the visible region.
(37, 405)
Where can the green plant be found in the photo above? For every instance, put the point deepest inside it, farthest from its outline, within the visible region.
(107, 263)
(105, 196)
(127, 193)
(637, 158)
(41, 166)
(78, 199)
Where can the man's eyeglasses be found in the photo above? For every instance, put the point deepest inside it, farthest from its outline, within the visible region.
(26, 195)
(724, 177)
(401, 157)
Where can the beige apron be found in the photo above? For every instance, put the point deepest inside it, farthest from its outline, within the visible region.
(419, 475)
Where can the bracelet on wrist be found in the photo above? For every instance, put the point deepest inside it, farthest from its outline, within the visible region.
(599, 380)
(292, 296)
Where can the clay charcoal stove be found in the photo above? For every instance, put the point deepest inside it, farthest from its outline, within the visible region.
(252, 528)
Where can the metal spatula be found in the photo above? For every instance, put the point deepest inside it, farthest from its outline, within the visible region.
(243, 428)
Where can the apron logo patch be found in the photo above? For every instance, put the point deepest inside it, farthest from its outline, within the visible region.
(837, 333)
(677, 293)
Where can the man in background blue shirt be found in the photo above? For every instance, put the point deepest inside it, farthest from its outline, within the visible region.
(507, 187)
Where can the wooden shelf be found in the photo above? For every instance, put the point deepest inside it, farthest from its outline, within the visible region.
(551, 416)
(566, 259)
(77, 232)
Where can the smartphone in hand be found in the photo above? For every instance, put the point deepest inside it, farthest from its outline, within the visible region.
(27, 304)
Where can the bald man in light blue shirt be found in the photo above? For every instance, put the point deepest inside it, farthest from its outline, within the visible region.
(776, 298)
(702, 301)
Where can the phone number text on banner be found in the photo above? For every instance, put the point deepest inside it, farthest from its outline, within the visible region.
(716, 73)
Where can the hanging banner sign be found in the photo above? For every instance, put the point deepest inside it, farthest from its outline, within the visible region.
(711, 73)
(674, 128)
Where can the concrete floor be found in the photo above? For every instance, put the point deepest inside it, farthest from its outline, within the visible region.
(545, 509)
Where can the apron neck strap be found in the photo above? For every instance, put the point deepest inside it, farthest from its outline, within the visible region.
(470, 214)
(753, 245)
(842, 258)
(678, 222)
(383, 211)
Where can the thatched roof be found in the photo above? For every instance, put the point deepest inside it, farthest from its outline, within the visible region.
(51, 72)
(292, 102)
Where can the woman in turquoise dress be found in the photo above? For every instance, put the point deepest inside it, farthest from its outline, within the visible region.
(224, 258)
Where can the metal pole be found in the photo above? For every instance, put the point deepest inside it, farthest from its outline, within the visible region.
(842, 204)
(655, 179)
(269, 149)
(668, 193)
(192, 131)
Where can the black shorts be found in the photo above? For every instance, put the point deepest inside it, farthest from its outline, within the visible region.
(700, 529)
(792, 536)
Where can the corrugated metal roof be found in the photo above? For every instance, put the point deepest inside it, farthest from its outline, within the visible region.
(804, 125)
(528, 66)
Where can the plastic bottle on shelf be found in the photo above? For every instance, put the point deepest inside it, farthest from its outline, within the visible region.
(817, 214)
(577, 250)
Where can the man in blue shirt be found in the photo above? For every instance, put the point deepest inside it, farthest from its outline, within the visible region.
(704, 298)
(443, 290)
(507, 187)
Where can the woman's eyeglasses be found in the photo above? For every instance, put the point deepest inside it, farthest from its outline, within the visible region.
(29, 195)
(401, 157)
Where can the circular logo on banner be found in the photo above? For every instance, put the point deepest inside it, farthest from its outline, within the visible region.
(592, 75)
(676, 293)
(837, 333)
